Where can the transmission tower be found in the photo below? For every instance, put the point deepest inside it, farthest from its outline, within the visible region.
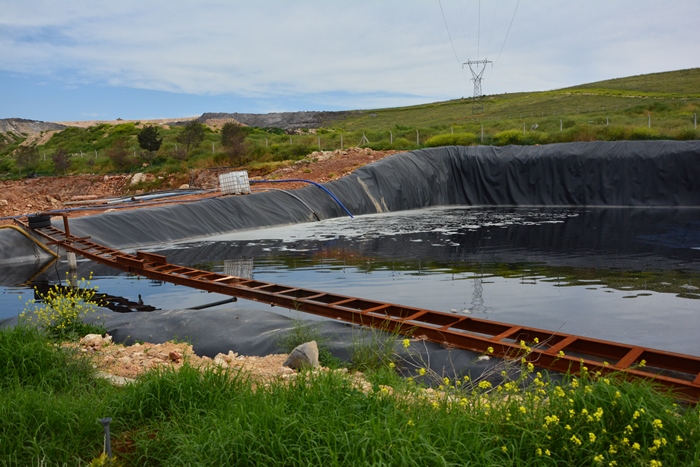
(477, 68)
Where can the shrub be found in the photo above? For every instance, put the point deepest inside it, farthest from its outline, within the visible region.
(642, 133)
(506, 137)
(615, 133)
(63, 310)
(452, 139)
(686, 134)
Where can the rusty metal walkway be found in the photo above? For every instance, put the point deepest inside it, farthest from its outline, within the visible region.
(554, 350)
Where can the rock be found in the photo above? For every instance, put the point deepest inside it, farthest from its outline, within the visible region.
(137, 178)
(3, 202)
(185, 186)
(95, 340)
(175, 356)
(305, 355)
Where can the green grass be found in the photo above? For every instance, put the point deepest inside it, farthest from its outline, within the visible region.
(215, 417)
(611, 110)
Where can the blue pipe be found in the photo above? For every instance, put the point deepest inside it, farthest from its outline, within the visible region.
(306, 181)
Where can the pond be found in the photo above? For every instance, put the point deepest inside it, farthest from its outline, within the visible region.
(620, 274)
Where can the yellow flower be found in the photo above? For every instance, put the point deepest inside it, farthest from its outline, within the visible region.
(392, 365)
(658, 424)
(679, 439)
(537, 341)
(561, 354)
(575, 439)
(421, 371)
(538, 451)
(598, 459)
(642, 364)
(406, 343)
(628, 430)
(489, 350)
(530, 367)
(410, 423)
(591, 437)
(635, 415)
(546, 451)
(504, 449)
(636, 446)
(446, 381)
(613, 464)
(655, 463)
(567, 427)
(612, 449)
(522, 409)
(484, 385)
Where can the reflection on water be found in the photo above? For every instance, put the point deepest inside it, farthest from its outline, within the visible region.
(629, 275)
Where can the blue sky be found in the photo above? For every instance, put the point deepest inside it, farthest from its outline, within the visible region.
(147, 59)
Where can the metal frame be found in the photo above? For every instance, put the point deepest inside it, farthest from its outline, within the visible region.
(554, 350)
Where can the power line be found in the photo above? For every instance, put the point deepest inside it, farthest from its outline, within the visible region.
(448, 32)
(509, 26)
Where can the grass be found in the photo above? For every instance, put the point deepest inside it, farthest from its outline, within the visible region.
(51, 403)
(612, 110)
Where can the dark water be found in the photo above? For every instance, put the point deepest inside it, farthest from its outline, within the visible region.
(627, 275)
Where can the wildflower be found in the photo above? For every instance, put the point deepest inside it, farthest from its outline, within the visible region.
(435, 405)
(538, 451)
(489, 350)
(546, 451)
(617, 394)
(567, 427)
(612, 449)
(559, 392)
(466, 379)
(551, 420)
(655, 463)
(410, 423)
(392, 365)
(522, 409)
(628, 430)
(658, 424)
(612, 464)
(642, 364)
(484, 385)
(679, 439)
(636, 446)
(598, 414)
(537, 341)
(504, 449)
(591, 437)
(574, 383)
(463, 402)
(598, 459)
(561, 354)
(575, 439)
(406, 343)
(421, 371)
(635, 415)
(530, 367)
(446, 381)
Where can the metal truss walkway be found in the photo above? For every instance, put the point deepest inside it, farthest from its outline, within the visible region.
(554, 350)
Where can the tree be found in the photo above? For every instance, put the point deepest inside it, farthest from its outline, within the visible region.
(150, 139)
(119, 154)
(191, 135)
(61, 161)
(233, 139)
(27, 157)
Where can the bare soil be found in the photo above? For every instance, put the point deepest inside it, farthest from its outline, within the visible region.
(34, 195)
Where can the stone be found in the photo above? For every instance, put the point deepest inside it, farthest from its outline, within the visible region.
(83, 197)
(138, 178)
(3, 202)
(175, 356)
(303, 356)
(185, 186)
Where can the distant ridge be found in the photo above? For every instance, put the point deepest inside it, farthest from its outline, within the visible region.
(21, 126)
(286, 120)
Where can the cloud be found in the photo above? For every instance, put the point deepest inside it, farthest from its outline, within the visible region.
(380, 52)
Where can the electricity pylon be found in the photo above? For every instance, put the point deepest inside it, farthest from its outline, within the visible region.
(477, 76)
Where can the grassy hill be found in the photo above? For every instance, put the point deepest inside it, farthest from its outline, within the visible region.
(652, 106)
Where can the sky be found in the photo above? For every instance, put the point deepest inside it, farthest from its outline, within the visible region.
(146, 59)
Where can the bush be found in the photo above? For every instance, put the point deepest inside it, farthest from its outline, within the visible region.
(687, 134)
(642, 133)
(615, 133)
(452, 139)
(506, 137)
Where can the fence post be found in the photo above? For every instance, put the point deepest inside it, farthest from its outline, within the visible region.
(319, 143)
(695, 121)
(391, 137)
(649, 124)
(482, 132)
(341, 141)
(561, 127)
(417, 138)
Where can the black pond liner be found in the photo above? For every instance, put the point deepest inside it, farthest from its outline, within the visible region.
(642, 174)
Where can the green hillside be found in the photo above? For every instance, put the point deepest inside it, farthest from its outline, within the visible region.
(653, 106)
